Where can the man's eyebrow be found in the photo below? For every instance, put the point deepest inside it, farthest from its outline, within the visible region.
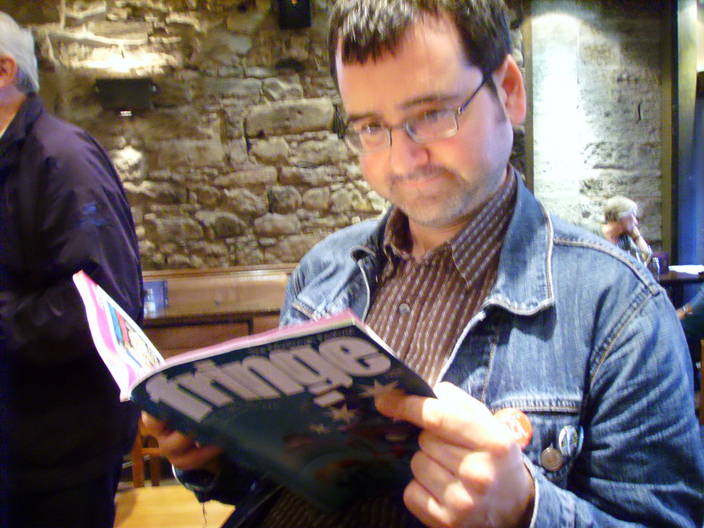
(406, 105)
(429, 98)
(351, 118)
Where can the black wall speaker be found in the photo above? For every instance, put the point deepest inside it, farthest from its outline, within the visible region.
(125, 94)
(293, 14)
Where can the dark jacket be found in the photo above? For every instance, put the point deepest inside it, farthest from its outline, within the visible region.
(62, 209)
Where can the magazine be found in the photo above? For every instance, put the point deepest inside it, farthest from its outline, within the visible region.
(296, 403)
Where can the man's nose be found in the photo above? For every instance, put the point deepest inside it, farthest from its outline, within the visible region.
(406, 154)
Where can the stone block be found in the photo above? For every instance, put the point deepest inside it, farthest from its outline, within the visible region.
(207, 196)
(347, 200)
(289, 117)
(279, 89)
(221, 47)
(246, 91)
(310, 177)
(274, 151)
(129, 163)
(317, 199)
(181, 123)
(148, 192)
(275, 225)
(171, 228)
(329, 151)
(292, 248)
(244, 202)
(177, 154)
(250, 177)
(236, 151)
(221, 224)
(284, 200)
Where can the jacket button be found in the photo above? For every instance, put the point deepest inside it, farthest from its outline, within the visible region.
(404, 309)
(551, 459)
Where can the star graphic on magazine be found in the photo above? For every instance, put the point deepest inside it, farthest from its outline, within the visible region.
(378, 389)
(343, 414)
(320, 429)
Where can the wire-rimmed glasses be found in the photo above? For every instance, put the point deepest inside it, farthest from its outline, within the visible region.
(429, 126)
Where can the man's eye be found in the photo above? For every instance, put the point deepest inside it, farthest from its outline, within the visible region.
(371, 129)
(431, 116)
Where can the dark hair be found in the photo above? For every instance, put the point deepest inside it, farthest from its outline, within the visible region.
(369, 28)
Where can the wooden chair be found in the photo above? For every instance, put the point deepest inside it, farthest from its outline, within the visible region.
(145, 446)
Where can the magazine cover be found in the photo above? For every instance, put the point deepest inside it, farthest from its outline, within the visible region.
(295, 403)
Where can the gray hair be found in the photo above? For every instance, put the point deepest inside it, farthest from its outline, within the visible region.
(619, 207)
(18, 43)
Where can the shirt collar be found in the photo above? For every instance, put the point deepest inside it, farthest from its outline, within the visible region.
(464, 244)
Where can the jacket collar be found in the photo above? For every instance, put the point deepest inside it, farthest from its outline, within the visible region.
(524, 283)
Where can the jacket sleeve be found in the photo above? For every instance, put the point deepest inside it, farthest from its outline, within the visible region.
(79, 219)
(642, 460)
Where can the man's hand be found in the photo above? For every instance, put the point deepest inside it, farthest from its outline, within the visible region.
(469, 471)
(181, 450)
(634, 233)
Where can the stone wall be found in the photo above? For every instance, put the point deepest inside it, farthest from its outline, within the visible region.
(597, 73)
(238, 162)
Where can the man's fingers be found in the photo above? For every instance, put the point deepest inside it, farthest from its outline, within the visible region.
(155, 427)
(456, 417)
(181, 450)
(424, 506)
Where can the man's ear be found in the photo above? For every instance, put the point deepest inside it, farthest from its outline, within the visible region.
(512, 92)
(8, 71)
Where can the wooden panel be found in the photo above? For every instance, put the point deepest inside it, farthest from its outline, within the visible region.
(172, 340)
(260, 288)
(264, 322)
(208, 306)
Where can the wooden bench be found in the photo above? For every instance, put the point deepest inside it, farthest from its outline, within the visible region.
(207, 306)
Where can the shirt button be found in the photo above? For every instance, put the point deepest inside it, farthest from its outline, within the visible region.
(404, 309)
(551, 459)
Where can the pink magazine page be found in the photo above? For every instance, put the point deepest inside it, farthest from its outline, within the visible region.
(125, 349)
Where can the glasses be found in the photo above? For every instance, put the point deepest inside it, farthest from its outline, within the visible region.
(430, 126)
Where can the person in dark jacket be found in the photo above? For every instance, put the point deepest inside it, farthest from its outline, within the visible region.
(62, 209)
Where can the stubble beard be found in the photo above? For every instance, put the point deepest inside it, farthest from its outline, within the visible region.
(445, 205)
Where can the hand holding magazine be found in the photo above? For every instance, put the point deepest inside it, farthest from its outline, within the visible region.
(295, 403)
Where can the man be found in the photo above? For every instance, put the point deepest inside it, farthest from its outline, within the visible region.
(471, 282)
(62, 209)
(620, 227)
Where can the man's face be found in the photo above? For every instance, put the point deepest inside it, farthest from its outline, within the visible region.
(436, 184)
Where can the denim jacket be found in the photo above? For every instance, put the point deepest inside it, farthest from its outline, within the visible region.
(577, 335)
